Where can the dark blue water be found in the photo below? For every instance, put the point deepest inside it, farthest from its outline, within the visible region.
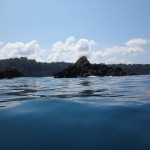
(107, 113)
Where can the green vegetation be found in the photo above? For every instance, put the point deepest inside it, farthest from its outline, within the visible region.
(31, 68)
(139, 69)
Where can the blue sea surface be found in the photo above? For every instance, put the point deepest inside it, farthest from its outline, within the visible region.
(94, 113)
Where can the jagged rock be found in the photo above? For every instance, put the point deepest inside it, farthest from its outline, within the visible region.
(83, 68)
(82, 62)
(10, 73)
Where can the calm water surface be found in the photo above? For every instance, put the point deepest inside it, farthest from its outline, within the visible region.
(95, 113)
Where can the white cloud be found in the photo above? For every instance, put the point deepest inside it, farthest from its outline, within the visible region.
(31, 50)
(71, 49)
(84, 45)
(117, 54)
(116, 60)
(137, 42)
(122, 50)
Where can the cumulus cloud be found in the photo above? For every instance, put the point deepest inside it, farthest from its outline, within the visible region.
(31, 50)
(71, 49)
(115, 60)
(119, 54)
(137, 42)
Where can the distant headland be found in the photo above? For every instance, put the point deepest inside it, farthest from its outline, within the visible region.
(32, 68)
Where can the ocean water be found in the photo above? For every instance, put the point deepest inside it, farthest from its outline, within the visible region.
(94, 113)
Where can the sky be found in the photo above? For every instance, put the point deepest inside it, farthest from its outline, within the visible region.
(106, 31)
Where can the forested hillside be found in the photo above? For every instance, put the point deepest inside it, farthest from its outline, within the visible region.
(31, 68)
(139, 69)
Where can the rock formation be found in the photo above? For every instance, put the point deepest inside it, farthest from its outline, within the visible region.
(10, 73)
(83, 68)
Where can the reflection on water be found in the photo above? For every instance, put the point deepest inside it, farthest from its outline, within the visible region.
(101, 91)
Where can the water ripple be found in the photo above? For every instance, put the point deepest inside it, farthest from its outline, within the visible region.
(98, 90)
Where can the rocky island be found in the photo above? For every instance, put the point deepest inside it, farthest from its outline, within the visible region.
(83, 68)
(10, 73)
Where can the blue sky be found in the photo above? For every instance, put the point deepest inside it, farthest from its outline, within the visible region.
(63, 30)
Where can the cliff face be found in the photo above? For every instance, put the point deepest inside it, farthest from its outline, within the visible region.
(83, 68)
(10, 73)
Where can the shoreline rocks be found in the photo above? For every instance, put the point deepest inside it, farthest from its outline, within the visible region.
(10, 73)
(83, 68)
